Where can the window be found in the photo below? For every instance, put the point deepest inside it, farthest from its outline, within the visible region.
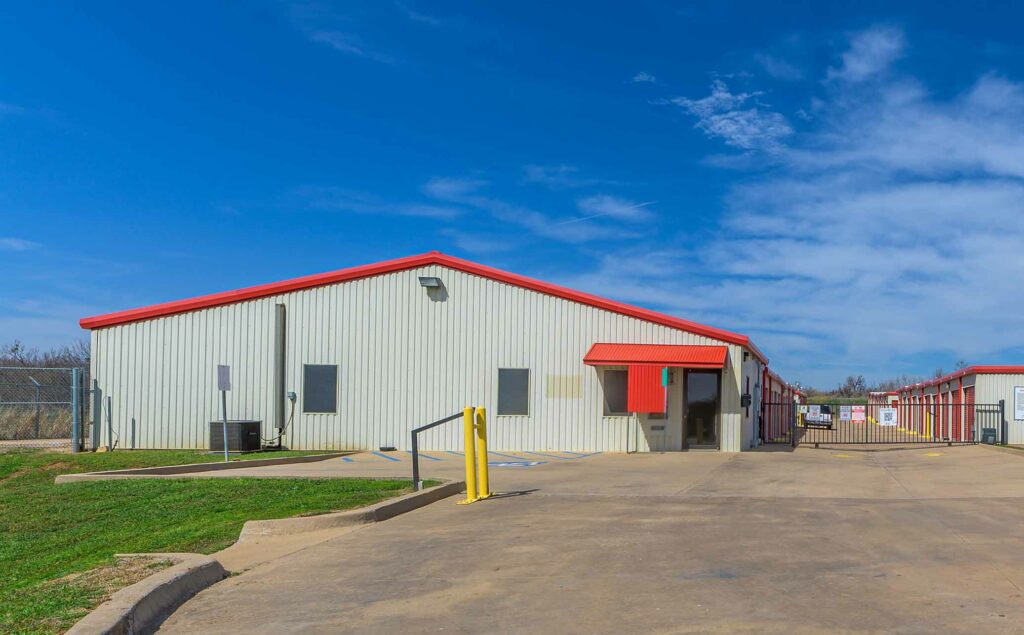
(513, 391)
(616, 384)
(319, 388)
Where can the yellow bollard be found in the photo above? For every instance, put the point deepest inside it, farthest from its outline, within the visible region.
(483, 484)
(467, 425)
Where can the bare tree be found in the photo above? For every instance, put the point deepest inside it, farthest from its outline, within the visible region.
(73, 355)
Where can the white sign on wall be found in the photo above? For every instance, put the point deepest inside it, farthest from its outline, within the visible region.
(1018, 403)
(845, 413)
(887, 416)
(858, 414)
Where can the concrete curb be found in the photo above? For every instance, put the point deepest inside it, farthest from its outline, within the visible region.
(374, 513)
(141, 607)
(191, 468)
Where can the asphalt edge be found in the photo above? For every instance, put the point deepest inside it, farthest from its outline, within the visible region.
(141, 607)
(374, 513)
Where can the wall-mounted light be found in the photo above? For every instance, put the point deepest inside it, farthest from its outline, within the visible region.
(430, 282)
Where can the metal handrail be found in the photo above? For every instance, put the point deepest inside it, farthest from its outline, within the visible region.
(416, 484)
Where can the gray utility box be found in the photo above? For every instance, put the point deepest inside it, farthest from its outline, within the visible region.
(243, 436)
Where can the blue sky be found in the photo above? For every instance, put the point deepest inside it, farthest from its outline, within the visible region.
(842, 182)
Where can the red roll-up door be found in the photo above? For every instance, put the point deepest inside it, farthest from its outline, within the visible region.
(645, 392)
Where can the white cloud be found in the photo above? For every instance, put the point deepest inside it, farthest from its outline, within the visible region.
(644, 78)
(889, 231)
(871, 52)
(17, 244)
(725, 115)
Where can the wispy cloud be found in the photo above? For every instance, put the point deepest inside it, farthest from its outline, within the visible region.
(737, 119)
(349, 43)
(471, 193)
(614, 207)
(560, 177)
(871, 52)
(419, 16)
(17, 244)
(323, 26)
(345, 200)
(778, 68)
(644, 77)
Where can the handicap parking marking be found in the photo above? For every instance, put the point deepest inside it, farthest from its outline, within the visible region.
(515, 463)
(385, 456)
(347, 459)
(509, 456)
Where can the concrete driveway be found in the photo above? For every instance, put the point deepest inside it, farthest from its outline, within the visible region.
(913, 541)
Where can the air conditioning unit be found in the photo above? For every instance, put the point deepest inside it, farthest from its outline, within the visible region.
(243, 436)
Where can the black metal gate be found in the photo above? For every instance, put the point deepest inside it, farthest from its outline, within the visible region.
(883, 423)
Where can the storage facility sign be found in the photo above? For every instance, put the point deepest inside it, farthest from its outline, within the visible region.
(858, 414)
(1018, 403)
(845, 413)
(887, 416)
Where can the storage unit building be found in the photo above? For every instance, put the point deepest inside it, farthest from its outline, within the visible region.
(965, 405)
(374, 351)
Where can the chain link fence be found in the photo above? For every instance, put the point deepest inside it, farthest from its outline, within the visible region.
(42, 407)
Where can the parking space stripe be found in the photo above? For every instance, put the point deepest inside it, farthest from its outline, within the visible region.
(385, 456)
(425, 456)
(347, 459)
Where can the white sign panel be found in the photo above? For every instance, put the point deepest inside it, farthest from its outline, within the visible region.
(845, 413)
(813, 412)
(223, 377)
(887, 416)
(858, 414)
(1018, 403)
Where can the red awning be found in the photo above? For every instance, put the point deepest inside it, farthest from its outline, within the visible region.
(687, 356)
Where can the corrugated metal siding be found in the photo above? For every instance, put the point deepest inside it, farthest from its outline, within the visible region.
(989, 389)
(404, 360)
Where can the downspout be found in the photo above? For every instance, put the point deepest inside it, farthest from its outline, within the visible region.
(279, 370)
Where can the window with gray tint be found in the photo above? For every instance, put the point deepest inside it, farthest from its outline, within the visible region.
(319, 388)
(615, 387)
(513, 391)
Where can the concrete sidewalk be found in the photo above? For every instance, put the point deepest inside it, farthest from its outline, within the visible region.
(810, 541)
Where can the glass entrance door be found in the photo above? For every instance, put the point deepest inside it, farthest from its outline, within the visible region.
(702, 402)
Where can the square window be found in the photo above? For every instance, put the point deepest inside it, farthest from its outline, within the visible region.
(319, 388)
(513, 391)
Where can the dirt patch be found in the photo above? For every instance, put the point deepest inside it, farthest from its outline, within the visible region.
(102, 582)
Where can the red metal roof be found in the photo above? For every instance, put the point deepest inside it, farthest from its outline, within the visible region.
(656, 354)
(970, 370)
(413, 262)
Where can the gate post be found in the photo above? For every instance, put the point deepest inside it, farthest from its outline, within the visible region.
(792, 425)
(76, 414)
(97, 413)
(1003, 427)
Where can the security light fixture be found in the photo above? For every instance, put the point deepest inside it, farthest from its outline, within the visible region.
(430, 282)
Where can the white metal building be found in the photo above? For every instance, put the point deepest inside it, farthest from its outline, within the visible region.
(374, 351)
(954, 406)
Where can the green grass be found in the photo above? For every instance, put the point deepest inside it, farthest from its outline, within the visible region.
(48, 532)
